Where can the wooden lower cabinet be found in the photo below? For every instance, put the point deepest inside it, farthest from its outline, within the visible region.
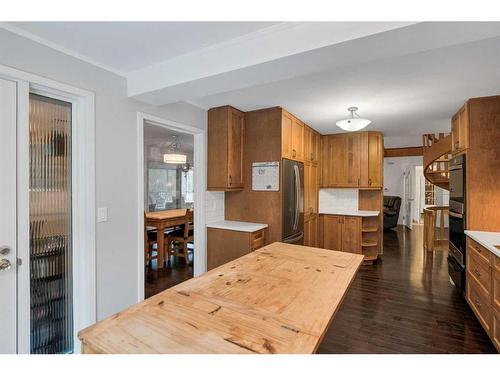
(311, 223)
(225, 245)
(341, 233)
(482, 288)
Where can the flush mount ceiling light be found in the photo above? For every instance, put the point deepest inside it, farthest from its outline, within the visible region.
(354, 122)
(173, 156)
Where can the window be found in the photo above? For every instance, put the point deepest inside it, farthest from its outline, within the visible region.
(187, 187)
(169, 187)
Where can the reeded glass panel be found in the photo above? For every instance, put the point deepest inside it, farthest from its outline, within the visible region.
(50, 226)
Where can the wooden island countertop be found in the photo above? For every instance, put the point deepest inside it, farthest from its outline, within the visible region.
(278, 299)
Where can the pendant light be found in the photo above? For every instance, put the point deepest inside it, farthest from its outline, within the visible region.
(354, 122)
(173, 156)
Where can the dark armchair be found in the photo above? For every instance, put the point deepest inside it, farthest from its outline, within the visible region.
(392, 204)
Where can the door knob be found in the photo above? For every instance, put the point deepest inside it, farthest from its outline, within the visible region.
(4, 265)
(4, 250)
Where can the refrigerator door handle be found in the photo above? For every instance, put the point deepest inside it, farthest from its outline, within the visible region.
(297, 195)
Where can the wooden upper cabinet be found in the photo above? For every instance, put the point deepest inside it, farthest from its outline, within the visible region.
(372, 163)
(315, 146)
(352, 160)
(225, 149)
(298, 140)
(311, 144)
(308, 152)
(460, 130)
(341, 160)
(286, 135)
(292, 137)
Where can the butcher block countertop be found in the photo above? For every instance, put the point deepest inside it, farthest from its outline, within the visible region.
(278, 299)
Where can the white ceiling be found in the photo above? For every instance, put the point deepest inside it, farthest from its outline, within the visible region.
(407, 78)
(128, 46)
(408, 95)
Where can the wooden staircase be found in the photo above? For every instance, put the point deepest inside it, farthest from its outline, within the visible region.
(436, 152)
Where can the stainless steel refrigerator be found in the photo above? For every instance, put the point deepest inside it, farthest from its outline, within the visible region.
(293, 202)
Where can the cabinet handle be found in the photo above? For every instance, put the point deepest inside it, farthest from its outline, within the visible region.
(477, 303)
(294, 153)
(312, 158)
(477, 273)
(477, 249)
(369, 181)
(358, 181)
(230, 180)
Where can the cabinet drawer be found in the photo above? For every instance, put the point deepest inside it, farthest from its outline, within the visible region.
(478, 269)
(479, 303)
(257, 240)
(479, 250)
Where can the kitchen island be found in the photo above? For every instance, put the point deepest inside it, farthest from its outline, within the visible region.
(278, 299)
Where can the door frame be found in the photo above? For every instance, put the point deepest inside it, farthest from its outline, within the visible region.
(83, 199)
(200, 176)
(407, 199)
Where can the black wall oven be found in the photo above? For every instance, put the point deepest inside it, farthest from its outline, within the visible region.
(457, 210)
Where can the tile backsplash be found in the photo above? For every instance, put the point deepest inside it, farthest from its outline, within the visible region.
(214, 206)
(339, 199)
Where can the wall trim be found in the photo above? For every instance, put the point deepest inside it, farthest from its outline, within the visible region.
(199, 165)
(403, 151)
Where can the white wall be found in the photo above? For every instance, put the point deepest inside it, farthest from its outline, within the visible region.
(393, 177)
(116, 164)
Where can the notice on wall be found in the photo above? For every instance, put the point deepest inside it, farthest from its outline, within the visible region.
(266, 176)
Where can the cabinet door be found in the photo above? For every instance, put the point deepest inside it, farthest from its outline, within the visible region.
(297, 139)
(332, 232)
(463, 123)
(315, 146)
(351, 234)
(307, 230)
(313, 230)
(314, 188)
(375, 160)
(286, 135)
(235, 149)
(308, 146)
(307, 188)
(332, 160)
(455, 133)
(352, 157)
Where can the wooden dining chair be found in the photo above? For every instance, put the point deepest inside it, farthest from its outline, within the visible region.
(182, 237)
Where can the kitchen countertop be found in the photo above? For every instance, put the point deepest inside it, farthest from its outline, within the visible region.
(344, 212)
(254, 304)
(239, 226)
(487, 239)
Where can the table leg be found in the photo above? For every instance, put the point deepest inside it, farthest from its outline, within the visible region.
(160, 239)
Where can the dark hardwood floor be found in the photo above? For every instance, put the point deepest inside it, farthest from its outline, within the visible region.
(405, 304)
(157, 281)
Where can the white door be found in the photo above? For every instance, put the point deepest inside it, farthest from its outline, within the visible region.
(408, 200)
(8, 304)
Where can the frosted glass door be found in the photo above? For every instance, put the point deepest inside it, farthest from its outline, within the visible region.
(51, 297)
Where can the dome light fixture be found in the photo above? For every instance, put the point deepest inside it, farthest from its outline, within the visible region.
(173, 156)
(353, 123)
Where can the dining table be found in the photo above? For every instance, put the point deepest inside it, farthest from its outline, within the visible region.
(162, 220)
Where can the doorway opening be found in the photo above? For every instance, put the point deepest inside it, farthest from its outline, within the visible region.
(169, 200)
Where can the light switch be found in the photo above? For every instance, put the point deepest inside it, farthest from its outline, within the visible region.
(102, 214)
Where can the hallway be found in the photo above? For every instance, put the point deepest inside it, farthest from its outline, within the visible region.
(405, 304)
